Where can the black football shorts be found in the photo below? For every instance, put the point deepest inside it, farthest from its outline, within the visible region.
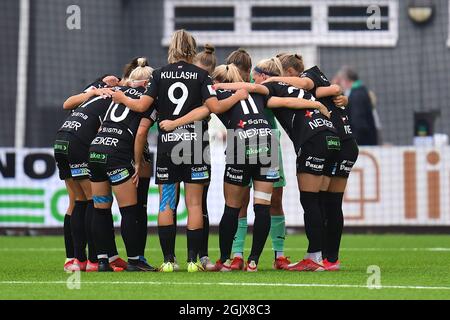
(318, 153)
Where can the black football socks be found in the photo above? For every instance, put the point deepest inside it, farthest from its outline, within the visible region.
(167, 236)
(261, 228)
(227, 229)
(68, 241)
(78, 230)
(314, 226)
(92, 252)
(130, 232)
(194, 241)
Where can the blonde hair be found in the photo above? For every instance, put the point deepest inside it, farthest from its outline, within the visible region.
(227, 73)
(271, 67)
(142, 71)
(241, 59)
(207, 58)
(182, 47)
(294, 61)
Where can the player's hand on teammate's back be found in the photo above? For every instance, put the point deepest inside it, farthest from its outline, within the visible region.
(103, 92)
(340, 101)
(270, 79)
(242, 94)
(324, 110)
(168, 125)
(118, 96)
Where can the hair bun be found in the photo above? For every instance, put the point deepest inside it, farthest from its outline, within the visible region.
(209, 48)
(142, 62)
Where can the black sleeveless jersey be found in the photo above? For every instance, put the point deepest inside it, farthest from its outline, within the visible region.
(120, 125)
(339, 116)
(84, 121)
(180, 88)
(299, 124)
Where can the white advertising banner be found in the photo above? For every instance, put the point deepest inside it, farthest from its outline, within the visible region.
(389, 186)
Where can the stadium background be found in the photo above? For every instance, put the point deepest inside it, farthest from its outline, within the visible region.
(405, 64)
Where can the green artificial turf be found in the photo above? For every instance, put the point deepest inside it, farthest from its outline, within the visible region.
(411, 266)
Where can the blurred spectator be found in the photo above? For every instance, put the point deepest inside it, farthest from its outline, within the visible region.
(360, 107)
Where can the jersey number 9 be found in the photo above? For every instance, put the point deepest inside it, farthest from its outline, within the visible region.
(179, 102)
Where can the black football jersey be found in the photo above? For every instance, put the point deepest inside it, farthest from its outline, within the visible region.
(299, 124)
(246, 114)
(84, 121)
(97, 84)
(120, 125)
(339, 116)
(179, 88)
(247, 121)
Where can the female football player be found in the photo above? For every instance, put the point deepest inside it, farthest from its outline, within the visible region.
(183, 155)
(71, 155)
(336, 177)
(315, 136)
(111, 166)
(238, 175)
(278, 226)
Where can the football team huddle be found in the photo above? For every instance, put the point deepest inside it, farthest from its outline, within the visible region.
(101, 149)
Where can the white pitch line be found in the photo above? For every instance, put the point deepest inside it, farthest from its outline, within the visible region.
(242, 284)
(247, 249)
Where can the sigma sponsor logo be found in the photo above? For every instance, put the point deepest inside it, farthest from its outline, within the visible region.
(79, 172)
(179, 75)
(257, 121)
(73, 125)
(255, 132)
(118, 175)
(133, 92)
(317, 123)
(175, 136)
(80, 115)
(112, 130)
(106, 141)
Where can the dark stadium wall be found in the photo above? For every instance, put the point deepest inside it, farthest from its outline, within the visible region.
(112, 32)
(63, 61)
(9, 24)
(403, 84)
